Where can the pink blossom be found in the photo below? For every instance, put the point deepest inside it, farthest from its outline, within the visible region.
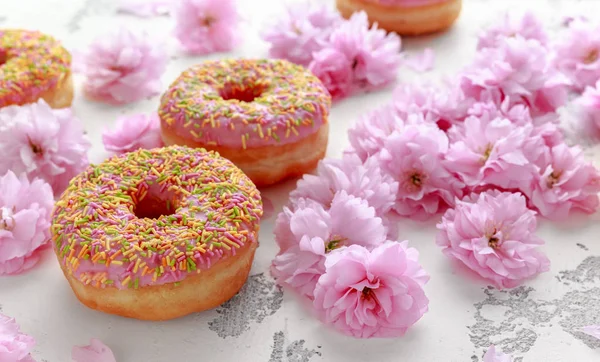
(414, 158)
(578, 53)
(42, 142)
(519, 69)
(487, 151)
(589, 110)
(133, 132)
(565, 182)
(334, 70)
(368, 56)
(301, 31)
(365, 180)
(376, 293)
(315, 232)
(369, 133)
(123, 67)
(144, 8)
(443, 105)
(593, 331)
(493, 355)
(96, 351)
(15, 346)
(24, 221)
(527, 26)
(206, 26)
(492, 233)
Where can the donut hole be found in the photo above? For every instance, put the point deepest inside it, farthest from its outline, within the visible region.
(242, 92)
(154, 204)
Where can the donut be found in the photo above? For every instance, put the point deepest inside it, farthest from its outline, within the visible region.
(157, 234)
(33, 66)
(406, 17)
(267, 116)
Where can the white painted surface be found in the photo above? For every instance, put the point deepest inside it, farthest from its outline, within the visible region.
(46, 308)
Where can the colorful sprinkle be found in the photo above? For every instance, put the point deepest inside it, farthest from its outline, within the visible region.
(245, 103)
(188, 201)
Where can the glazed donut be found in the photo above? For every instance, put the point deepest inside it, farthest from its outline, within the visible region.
(33, 66)
(269, 117)
(157, 234)
(406, 17)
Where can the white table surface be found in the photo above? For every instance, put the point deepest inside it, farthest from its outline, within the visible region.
(536, 322)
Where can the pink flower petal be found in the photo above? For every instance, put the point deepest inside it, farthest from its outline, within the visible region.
(593, 331)
(422, 62)
(96, 351)
(268, 208)
(493, 355)
(133, 132)
(15, 346)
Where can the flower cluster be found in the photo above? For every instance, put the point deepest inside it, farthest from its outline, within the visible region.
(337, 249)
(42, 150)
(346, 55)
(485, 148)
(133, 132)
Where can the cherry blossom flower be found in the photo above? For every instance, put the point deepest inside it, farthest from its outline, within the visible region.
(415, 158)
(376, 293)
(527, 26)
(520, 69)
(566, 182)
(42, 143)
(206, 26)
(578, 53)
(302, 30)
(315, 232)
(133, 132)
(492, 233)
(123, 67)
(15, 346)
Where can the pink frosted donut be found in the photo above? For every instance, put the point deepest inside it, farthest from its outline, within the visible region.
(157, 234)
(269, 117)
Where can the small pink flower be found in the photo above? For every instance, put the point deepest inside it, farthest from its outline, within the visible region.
(301, 31)
(589, 109)
(443, 105)
(315, 232)
(24, 221)
(15, 346)
(527, 26)
(133, 132)
(369, 133)
(414, 158)
(96, 351)
(578, 53)
(206, 26)
(565, 182)
(365, 180)
(334, 70)
(42, 142)
(493, 355)
(488, 151)
(372, 294)
(367, 56)
(519, 69)
(492, 233)
(123, 67)
(593, 331)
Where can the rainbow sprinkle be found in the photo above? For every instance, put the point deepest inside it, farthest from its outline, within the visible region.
(210, 208)
(245, 103)
(31, 63)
